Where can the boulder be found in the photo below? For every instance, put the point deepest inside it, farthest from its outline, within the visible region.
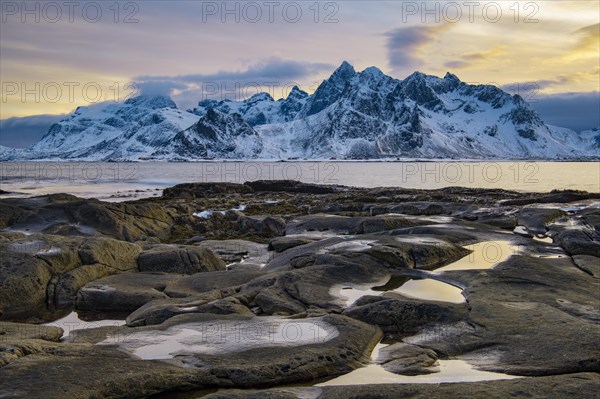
(68, 215)
(425, 208)
(579, 242)
(399, 316)
(266, 225)
(245, 351)
(536, 219)
(123, 293)
(40, 273)
(159, 310)
(202, 190)
(280, 244)
(323, 222)
(527, 316)
(19, 340)
(589, 264)
(554, 197)
(204, 282)
(88, 371)
(237, 250)
(182, 259)
(405, 359)
(291, 186)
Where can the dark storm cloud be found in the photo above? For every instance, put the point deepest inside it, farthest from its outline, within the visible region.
(577, 111)
(25, 131)
(273, 70)
(403, 44)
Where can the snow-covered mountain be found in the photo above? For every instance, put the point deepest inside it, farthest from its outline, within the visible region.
(260, 109)
(216, 134)
(356, 115)
(111, 131)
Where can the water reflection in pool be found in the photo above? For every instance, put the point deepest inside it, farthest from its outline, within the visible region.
(72, 322)
(449, 371)
(484, 255)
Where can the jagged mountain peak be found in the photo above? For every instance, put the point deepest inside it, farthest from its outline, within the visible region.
(330, 90)
(296, 92)
(372, 71)
(417, 88)
(213, 114)
(416, 76)
(342, 75)
(216, 121)
(373, 77)
(449, 82)
(345, 69)
(214, 134)
(263, 96)
(451, 77)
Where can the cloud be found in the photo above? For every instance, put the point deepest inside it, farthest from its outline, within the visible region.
(577, 111)
(25, 131)
(586, 46)
(562, 80)
(159, 87)
(456, 64)
(273, 69)
(589, 37)
(405, 45)
(262, 76)
(469, 59)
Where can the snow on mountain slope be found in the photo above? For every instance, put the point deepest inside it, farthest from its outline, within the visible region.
(589, 139)
(128, 130)
(420, 116)
(352, 115)
(8, 153)
(260, 109)
(216, 134)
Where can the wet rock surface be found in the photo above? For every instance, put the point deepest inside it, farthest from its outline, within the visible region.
(124, 293)
(254, 351)
(42, 273)
(566, 386)
(515, 309)
(77, 367)
(231, 251)
(400, 358)
(213, 302)
(179, 259)
(273, 283)
(399, 317)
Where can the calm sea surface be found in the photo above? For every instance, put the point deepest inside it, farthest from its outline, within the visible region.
(120, 181)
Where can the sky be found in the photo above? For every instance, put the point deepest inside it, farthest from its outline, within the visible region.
(55, 56)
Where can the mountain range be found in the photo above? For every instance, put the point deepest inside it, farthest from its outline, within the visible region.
(351, 115)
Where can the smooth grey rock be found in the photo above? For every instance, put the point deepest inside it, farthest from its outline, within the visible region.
(180, 259)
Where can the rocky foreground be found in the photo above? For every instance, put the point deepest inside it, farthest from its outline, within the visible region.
(272, 289)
